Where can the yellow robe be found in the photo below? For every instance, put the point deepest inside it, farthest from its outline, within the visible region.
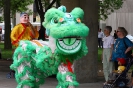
(29, 33)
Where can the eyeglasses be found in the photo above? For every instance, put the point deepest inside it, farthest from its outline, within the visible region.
(117, 31)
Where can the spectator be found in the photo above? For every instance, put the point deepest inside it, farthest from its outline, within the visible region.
(100, 36)
(23, 31)
(115, 34)
(108, 42)
(122, 46)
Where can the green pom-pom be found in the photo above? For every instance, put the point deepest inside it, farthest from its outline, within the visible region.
(62, 8)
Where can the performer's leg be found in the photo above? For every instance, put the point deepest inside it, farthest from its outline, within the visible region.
(65, 78)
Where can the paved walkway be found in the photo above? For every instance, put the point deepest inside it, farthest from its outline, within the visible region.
(50, 83)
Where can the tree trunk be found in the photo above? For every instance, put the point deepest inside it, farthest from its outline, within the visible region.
(86, 68)
(39, 9)
(42, 29)
(41, 13)
(7, 40)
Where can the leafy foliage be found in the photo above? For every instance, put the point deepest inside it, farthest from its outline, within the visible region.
(108, 6)
(1, 4)
(20, 5)
(42, 6)
(46, 3)
(1, 9)
(1, 19)
(16, 6)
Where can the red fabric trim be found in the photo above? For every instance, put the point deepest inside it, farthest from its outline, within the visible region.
(69, 66)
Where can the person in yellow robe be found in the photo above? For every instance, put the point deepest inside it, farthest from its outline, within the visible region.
(23, 31)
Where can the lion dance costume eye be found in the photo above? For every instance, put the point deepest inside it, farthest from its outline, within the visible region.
(35, 60)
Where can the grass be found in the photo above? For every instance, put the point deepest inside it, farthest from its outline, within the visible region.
(6, 54)
(99, 54)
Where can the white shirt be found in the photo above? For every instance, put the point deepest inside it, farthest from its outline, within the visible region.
(100, 34)
(108, 41)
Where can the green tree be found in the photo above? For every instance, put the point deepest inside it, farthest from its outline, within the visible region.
(21, 6)
(7, 44)
(11, 7)
(108, 6)
(1, 9)
(42, 6)
(1, 19)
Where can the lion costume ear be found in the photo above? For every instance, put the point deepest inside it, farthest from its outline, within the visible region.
(77, 13)
(62, 8)
(52, 13)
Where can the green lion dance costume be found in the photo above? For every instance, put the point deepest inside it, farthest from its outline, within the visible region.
(35, 60)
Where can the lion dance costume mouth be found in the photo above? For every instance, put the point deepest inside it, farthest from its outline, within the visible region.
(35, 60)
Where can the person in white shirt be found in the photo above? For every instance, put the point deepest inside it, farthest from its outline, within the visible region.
(108, 42)
(100, 36)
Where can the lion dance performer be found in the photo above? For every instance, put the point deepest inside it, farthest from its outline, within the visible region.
(24, 30)
(34, 61)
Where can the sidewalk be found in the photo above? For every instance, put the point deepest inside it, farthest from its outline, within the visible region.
(49, 83)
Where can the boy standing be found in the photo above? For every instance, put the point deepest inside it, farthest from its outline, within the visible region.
(108, 42)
